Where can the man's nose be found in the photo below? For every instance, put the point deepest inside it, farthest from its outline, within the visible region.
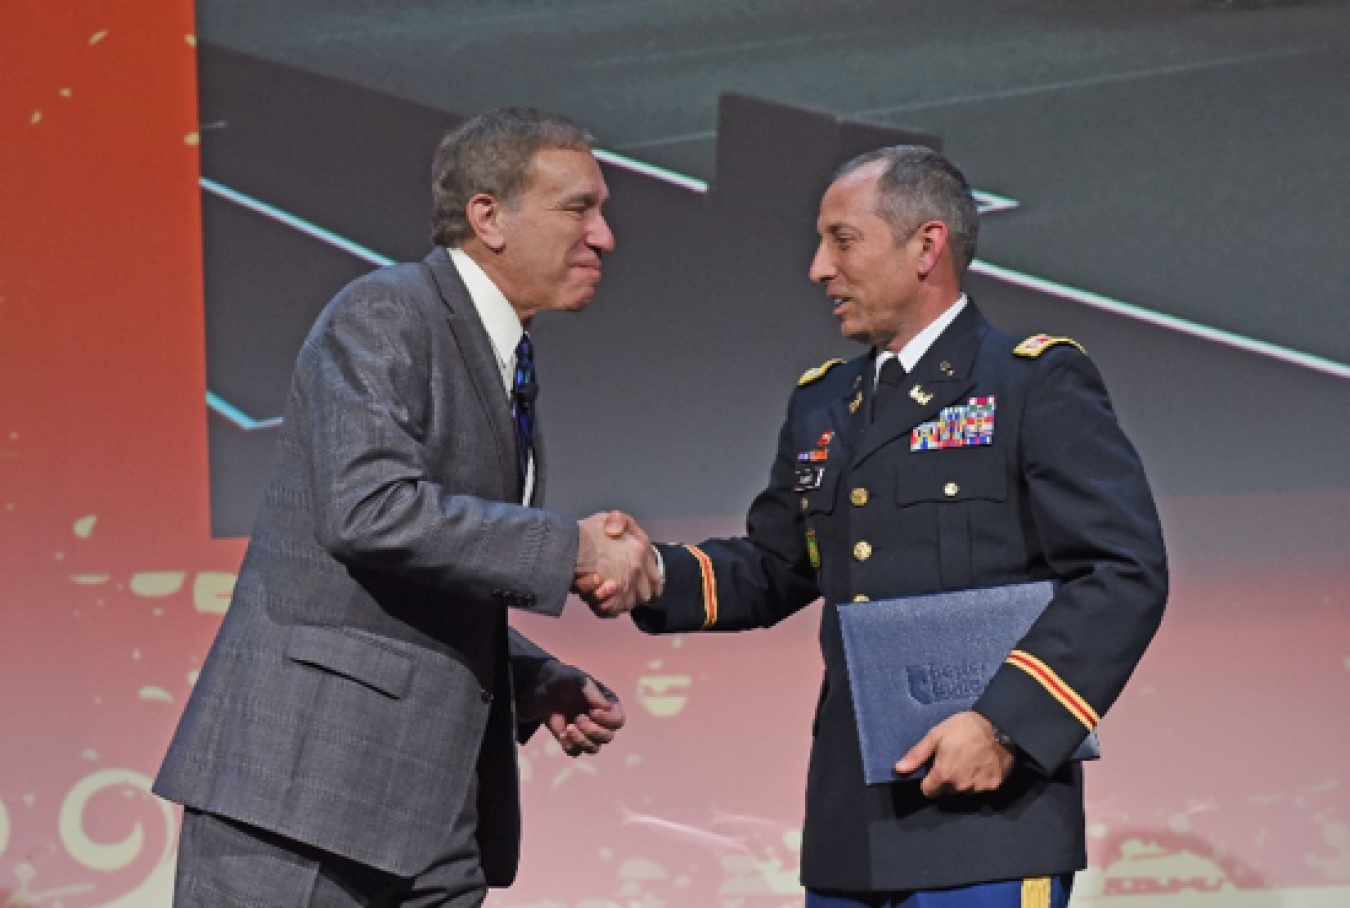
(600, 236)
(822, 265)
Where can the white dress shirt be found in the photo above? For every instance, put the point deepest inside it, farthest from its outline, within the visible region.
(503, 328)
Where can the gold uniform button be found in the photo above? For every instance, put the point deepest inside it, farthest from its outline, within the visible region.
(858, 497)
(951, 490)
(862, 551)
(861, 598)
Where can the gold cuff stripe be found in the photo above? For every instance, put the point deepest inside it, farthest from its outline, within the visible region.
(705, 568)
(1066, 695)
(1036, 893)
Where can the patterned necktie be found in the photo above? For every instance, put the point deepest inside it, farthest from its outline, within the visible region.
(523, 392)
(888, 379)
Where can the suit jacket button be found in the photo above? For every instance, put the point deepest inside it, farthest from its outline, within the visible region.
(862, 551)
(858, 497)
(951, 490)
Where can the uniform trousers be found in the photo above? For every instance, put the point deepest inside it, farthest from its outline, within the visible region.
(1043, 892)
(224, 864)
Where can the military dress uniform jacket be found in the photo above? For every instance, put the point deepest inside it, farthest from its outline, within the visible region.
(1042, 485)
(361, 684)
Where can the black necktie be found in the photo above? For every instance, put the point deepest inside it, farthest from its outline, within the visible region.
(523, 392)
(888, 379)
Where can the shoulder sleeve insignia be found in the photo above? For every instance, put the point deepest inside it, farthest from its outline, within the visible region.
(1037, 344)
(818, 372)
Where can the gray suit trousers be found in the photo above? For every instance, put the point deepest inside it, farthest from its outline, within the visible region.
(226, 864)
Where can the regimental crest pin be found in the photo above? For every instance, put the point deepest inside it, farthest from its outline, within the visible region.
(920, 396)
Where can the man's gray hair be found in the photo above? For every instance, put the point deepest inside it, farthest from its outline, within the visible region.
(918, 184)
(492, 154)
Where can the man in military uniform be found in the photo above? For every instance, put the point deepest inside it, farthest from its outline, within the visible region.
(949, 456)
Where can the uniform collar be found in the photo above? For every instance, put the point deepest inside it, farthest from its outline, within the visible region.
(918, 345)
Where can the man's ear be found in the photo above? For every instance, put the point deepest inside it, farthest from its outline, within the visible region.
(484, 213)
(932, 238)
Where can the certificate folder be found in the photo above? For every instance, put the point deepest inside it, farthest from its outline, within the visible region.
(914, 661)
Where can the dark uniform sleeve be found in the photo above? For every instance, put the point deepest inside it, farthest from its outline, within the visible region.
(738, 584)
(1095, 523)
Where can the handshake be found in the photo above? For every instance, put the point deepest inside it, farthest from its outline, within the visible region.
(617, 567)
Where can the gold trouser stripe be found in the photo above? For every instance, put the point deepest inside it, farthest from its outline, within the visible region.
(1036, 893)
(705, 568)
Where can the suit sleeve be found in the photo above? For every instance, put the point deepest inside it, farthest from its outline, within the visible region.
(1096, 525)
(738, 584)
(528, 663)
(361, 397)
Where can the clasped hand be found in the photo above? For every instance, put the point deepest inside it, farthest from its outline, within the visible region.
(616, 565)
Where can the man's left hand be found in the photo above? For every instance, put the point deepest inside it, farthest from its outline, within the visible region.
(964, 755)
(580, 713)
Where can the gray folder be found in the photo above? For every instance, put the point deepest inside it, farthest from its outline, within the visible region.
(914, 661)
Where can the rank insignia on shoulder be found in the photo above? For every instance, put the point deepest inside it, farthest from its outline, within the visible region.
(1037, 344)
(817, 372)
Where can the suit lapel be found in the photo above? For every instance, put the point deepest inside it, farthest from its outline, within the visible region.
(939, 379)
(475, 349)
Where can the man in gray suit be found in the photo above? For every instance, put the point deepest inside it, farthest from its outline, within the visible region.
(351, 739)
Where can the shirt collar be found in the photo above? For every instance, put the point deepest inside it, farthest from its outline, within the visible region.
(912, 352)
(498, 316)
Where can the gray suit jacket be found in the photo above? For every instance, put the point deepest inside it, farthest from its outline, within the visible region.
(348, 694)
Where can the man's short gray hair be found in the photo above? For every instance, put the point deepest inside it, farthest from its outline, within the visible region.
(492, 154)
(918, 184)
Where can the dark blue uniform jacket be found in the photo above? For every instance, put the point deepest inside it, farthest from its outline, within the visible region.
(1056, 493)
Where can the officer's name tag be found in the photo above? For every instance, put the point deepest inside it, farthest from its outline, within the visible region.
(807, 478)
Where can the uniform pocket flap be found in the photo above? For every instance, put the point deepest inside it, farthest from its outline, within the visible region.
(360, 658)
(959, 474)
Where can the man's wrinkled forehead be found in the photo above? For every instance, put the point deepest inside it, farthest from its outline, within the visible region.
(569, 175)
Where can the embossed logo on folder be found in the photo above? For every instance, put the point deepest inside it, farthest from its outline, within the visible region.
(935, 683)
